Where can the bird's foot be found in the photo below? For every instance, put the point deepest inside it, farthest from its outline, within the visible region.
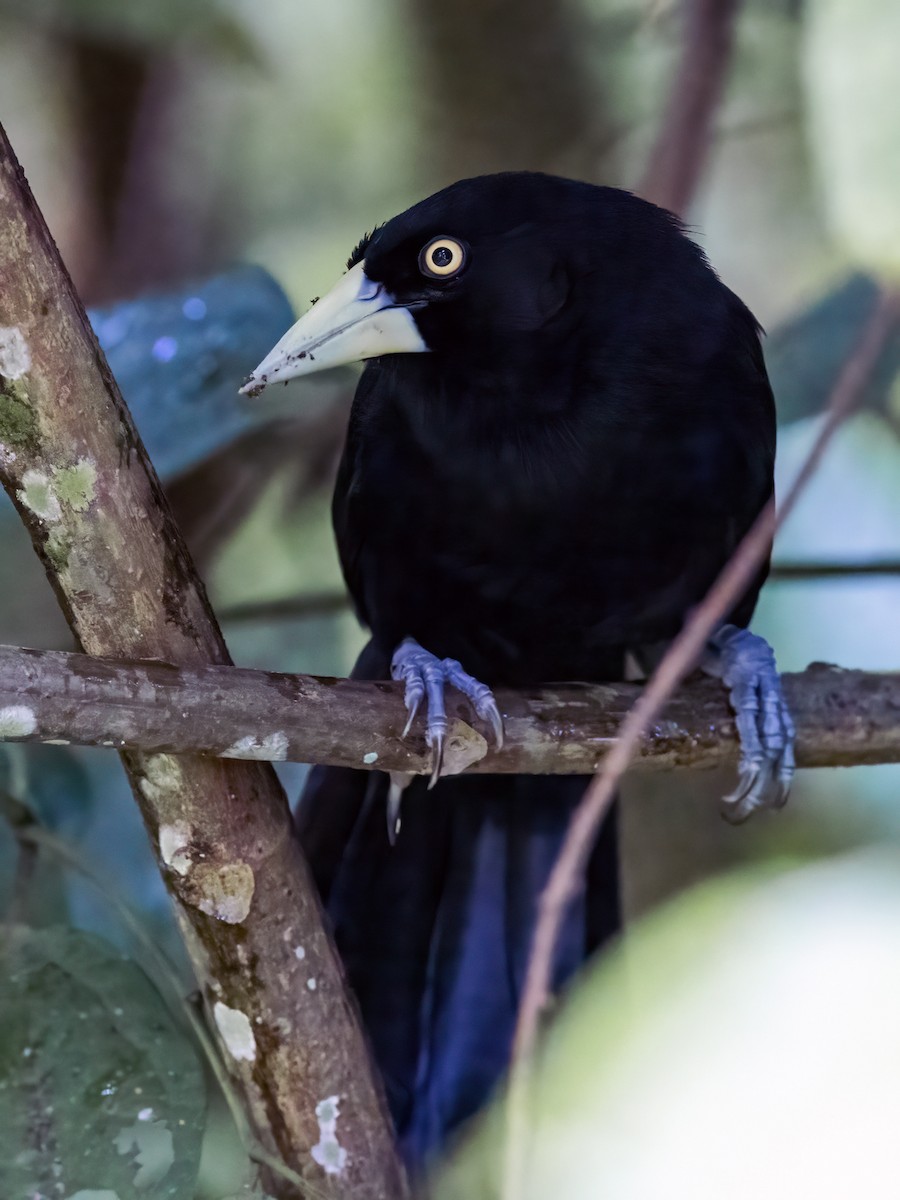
(746, 665)
(425, 676)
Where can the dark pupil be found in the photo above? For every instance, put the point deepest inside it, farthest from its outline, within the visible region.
(442, 256)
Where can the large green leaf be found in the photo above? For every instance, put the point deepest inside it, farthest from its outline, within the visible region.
(99, 1091)
(851, 70)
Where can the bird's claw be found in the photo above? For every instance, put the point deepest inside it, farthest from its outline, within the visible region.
(400, 781)
(425, 676)
(746, 665)
(411, 709)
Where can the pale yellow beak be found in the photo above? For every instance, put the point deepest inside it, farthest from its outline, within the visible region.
(357, 319)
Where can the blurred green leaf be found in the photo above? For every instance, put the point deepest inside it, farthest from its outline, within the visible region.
(851, 69)
(744, 1042)
(98, 1088)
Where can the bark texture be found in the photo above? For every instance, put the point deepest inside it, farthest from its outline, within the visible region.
(73, 464)
(843, 718)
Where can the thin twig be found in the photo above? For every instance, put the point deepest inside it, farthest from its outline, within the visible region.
(286, 608)
(679, 660)
(679, 154)
(315, 605)
(811, 571)
(20, 819)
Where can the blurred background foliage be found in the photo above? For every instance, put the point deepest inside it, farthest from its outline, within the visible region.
(169, 143)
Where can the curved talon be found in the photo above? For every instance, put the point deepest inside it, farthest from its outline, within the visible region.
(746, 665)
(425, 675)
(496, 721)
(411, 710)
(437, 758)
(731, 806)
(478, 694)
(740, 804)
(400, 781)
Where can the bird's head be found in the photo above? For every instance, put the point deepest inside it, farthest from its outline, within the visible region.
(472, 271)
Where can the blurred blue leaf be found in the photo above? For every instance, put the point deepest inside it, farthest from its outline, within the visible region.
(805, 354)
(180, 357)
(51, 780)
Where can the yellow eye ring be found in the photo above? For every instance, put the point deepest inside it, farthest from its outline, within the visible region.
(442, 257)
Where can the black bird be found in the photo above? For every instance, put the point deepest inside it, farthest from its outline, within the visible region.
(564, 430)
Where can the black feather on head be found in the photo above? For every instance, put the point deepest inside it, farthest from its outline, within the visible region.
(358, 252)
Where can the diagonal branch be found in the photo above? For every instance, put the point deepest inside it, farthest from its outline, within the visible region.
(75, 468)
(677, 662)
(843, 718)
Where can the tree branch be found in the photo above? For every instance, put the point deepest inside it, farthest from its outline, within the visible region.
(73, 464)
(791, 571)
(843, 718)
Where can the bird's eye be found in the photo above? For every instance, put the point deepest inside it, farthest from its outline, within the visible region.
(442, 257)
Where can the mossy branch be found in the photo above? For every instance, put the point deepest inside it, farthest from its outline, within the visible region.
(75, 468)
(843, 718)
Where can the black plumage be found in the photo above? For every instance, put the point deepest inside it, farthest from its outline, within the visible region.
(565, 473)
(547, 491)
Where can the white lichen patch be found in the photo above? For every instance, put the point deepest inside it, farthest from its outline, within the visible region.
(271, 748)
(15, 356)
(76, 485)
(162, 777)
(236, 1031)
(153, 1150)
(299, 952)
(174, 841)
(38, 496)
(371, 757)
(328, 1152)
(311, 984)
(464, 747)
(17, 720)
(226, 892)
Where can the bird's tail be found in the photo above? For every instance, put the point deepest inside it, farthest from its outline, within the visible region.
(436, 930)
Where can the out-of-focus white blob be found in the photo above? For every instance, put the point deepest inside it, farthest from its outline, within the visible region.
(745, 1042)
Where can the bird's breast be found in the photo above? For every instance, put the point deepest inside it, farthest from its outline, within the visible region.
(538, 546)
